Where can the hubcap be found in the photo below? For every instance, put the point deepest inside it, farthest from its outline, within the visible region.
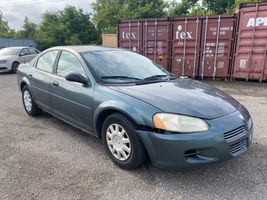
(118, 142)
(27, 100)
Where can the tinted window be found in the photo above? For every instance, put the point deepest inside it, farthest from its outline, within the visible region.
(69, 63)
(46, 61)
(33, 51)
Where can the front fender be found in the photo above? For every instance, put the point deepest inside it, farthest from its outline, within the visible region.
(139, 112)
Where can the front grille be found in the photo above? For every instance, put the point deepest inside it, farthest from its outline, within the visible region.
(238, 148)
(235, 134)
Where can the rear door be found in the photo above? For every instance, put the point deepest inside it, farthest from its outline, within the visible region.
(72, 101)
(40, 79)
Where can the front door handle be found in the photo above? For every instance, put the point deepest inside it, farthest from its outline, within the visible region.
(54, 83)
(30, 75)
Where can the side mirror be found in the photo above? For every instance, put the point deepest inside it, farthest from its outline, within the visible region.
(78, 78)
(22, 54)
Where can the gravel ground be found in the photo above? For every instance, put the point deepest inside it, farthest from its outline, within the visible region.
(44, 158)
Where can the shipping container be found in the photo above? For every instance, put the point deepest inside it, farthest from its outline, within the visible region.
(130, 35)
(186, 37)
(149, 37)
(202, 46)
(216, 46)
(251, 47)
(157, 40)
(109, 40)
(12, 42)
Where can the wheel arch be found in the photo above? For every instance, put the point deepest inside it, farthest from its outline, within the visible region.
(104, 113)
(24, 82)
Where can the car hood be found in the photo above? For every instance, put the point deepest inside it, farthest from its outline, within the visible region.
(7, 57)
(184, 96)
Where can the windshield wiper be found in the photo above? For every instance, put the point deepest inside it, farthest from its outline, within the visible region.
(119, 77)
(155, 77)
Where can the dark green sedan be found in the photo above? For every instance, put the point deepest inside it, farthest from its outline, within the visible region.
(138, 109)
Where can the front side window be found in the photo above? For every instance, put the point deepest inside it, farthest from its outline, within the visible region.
(46, 61)
(24, 52)
(69, 63)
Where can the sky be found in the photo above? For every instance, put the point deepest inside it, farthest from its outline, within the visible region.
(14, 11)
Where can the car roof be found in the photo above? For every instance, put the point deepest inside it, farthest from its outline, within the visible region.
(20, 47)
(86, 48)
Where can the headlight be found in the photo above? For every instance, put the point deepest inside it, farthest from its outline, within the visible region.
(2, 61)
(179, 123)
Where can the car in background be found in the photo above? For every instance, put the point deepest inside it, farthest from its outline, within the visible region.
(12, 57)
(136, 107)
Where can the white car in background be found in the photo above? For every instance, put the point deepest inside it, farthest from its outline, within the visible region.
(11, 57)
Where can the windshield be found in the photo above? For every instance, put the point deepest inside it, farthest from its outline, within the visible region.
(122, 66)
(9, 51)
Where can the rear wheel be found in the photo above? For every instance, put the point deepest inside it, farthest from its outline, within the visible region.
(15, 66)
(122, 143)
(29, 105)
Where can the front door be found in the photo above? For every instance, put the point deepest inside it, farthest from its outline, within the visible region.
(71, 101)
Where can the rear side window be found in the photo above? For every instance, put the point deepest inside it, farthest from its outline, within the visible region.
(69, 63)
(46, 61)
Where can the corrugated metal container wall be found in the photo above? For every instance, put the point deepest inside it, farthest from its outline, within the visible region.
(11, 42)
(250, 58)
(156, 43)
(186, 45)
(216, 46)
(109, 40)
(130, 35)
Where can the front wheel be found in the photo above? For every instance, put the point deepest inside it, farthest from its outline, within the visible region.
(29, 105)
(15, 66)
(122, 143)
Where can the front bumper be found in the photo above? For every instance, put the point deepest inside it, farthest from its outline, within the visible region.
(228, 137)
(5, 67)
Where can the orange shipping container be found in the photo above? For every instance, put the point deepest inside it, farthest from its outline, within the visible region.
(109, 40)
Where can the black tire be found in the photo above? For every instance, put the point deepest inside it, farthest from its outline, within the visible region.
(15, 66)
(138, 153)
(35, 110)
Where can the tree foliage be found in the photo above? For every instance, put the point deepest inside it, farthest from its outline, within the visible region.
(108, 12)
(67, 27)
(29, 30)
(5, 30)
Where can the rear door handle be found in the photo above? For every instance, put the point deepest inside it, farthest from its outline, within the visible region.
(54, 83)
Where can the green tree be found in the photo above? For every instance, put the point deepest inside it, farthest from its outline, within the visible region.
(218, 6)
(29, 30)
(182, 8)
(5, 30)
(108, 12)
(67, 27)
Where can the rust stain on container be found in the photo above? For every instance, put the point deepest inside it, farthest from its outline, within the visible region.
(251, 47)
(186, 34)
